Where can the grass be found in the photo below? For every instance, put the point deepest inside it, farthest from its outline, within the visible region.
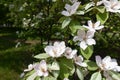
(12, 60)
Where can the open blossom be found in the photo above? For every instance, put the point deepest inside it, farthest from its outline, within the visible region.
(85, 38)
(41, 68)
(56, 50)
(112, 5)
(65, 79)
(70, 10)
(69, 53)
(30, 67)
(79, 61)
(107, 63)
(93, 26)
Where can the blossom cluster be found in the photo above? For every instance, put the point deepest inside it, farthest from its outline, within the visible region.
(84, 38)
(57, 50)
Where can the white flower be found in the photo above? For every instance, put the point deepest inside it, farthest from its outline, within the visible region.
(65, 79)
(30, 67)
(107, 63)
(56, 50)
(69, 53)
(85, 38)
(41, 68)
(70, 10)
(93, 26)
(79, 61)
(112, 5)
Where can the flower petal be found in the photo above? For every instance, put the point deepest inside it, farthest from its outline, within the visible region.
(117, 68)
(98, 60)
(99, 27)
(86, 27)
(30, 67)
(49, 50)
(83, 45)
(67, 7)
(97, 24)
(107, 59)
(81, 34)
(90, 34)
(83, 64)
(45, 74)
(39, 73)
(90, 24)
(106, 3)
(90, 41)
(76, 38)
(65, 13)
(75, 7)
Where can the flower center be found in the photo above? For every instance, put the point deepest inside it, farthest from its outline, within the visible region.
(103, 65)
(55, 51)
(93, 25)
(43, 70)
(113, 5)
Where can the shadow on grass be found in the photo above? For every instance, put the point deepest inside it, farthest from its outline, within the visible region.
(12, 60)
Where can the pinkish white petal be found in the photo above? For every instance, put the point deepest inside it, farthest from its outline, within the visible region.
(69, 53)
(107, 59)
(83, 45)
(98, 60)
(90, 41)
(81, 33)
(90, 34)
(49, 51)
(30, 67)
(90, 24)
(66, 13)
(97, 24)
(67, 7)
(98, 28)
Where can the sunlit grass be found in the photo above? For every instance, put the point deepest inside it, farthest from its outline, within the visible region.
(13, 60)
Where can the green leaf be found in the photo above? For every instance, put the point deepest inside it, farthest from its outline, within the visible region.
(102, 17)
(32, 77)
(92, 66)
(80, 13)
(103, 79)
(30, 73)
(54, 66)
(66, 22)
(87, 53)
(101, 9)
(89, 5)
(80, 74)
(74, 26)
(66, 67)
(96, 76)
(55, 73)
(42, 56)
(114, 75)
(61, 20)
(49, 78)
(101, 36)
(38, 78)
